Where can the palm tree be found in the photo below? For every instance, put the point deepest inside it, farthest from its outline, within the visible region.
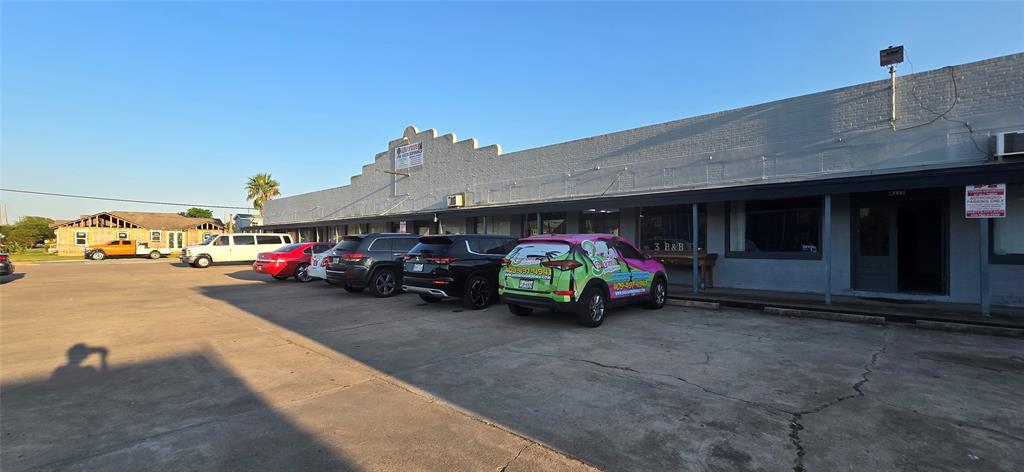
(262, 189)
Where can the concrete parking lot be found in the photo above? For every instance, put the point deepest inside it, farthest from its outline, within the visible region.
(148, 365)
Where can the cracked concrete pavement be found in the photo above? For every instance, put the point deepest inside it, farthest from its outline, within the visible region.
(221, 369)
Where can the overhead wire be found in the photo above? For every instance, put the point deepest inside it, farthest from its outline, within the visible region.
(124, 200)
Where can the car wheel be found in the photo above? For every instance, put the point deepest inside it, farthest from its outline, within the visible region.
(477, 294)
(659, 293)
(351, 289)
(592, 306)
(429, 299)
(520, 310)
(98, 255)
(154, 254)
(302, 273)
(280, 277)
(383, 283)
(203, 262)
(329, 282)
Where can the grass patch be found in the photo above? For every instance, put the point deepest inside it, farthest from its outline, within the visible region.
(36, 255)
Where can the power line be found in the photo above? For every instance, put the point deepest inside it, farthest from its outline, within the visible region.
(125, 200)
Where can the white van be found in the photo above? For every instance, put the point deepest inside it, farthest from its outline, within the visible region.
(238, 247)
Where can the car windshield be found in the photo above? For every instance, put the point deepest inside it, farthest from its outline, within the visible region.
(537, 252)
(289, 248)
(209, 239)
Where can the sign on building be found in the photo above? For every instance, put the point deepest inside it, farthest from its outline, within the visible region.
(985, 201)
(408, 156)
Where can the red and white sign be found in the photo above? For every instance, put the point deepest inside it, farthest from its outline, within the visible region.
(985, 201)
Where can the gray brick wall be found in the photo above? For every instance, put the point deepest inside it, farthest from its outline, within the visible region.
(837, 132)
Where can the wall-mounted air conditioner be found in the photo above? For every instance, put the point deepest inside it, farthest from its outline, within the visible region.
(456, 200)
(1009, 144)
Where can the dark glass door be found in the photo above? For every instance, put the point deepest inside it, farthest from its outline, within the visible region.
(875, 262)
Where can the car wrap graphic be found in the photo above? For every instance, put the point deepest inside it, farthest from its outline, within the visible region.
(530, 270)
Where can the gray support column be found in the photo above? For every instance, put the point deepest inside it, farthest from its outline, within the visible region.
(986, 299)
(696, 251)
(826, 248)
(539, 224)
(485, 224)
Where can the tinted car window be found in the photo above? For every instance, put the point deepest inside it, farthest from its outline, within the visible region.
(317, 249)
(432, 245)
(308, 250)
(380, 244)
(268, 240)
(348, 245)
(488, 246)
(288, 248)
(246, 241)
(286, 238)
(404, 244)
(627, 251)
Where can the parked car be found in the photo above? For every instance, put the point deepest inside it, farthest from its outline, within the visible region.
(232, 248)
(6, 266)
(318, 264)
(456, 266)
(124, 248)
(580, 273)
(292, 260)
(371, 260)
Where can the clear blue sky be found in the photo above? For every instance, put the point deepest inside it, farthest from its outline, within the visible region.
(122, 99)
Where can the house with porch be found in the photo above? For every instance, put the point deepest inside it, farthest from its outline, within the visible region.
(169, 230)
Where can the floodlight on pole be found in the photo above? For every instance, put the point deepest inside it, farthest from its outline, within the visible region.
(891, 56)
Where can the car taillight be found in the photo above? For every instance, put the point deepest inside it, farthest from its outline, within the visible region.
(441, 260)
(505, 262)
(353, 256)
(561, 265)
(406, 258)
(323, 262)
(3, 258)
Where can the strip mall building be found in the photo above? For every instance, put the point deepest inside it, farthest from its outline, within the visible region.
(821, 193)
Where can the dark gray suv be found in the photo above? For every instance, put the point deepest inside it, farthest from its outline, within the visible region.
(371, 260)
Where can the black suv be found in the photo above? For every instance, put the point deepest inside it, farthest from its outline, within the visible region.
(456, 266)
(370, 260)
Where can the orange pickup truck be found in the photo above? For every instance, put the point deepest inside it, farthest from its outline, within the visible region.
(122, 248)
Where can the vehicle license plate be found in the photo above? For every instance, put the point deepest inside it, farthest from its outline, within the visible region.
(417, 267)
(526, 284)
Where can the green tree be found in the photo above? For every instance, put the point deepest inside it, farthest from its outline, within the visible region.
(261, 189)
(27, 231)
(197, 213)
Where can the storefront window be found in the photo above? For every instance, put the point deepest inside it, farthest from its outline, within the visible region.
(1008, 233)
(551, 223)
(453, 226)
(670, 228)
(600, 221)
(789, 228)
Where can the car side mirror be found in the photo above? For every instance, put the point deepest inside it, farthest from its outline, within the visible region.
(648, 255)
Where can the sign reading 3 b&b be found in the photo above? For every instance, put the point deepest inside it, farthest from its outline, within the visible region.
(408, 156)
(985, 201)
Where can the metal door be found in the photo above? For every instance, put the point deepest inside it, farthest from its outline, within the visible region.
(874, 261)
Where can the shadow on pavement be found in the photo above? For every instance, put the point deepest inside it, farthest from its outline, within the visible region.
(11, 278)
(186, 412)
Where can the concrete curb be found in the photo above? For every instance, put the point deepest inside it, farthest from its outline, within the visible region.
(824, 315)
(970, 328)
(692, 303)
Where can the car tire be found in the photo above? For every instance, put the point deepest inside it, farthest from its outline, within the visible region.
(302, 273)
(659, 294)
(154, 254)
(383, 283)
(203, 262)
(329, 282)
(478, 293)
(280, 277)
(592, 307)
(98, 255)
(429, 299)
(353, 289)
(519, 310)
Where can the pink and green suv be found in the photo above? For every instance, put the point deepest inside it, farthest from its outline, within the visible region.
(580, 273)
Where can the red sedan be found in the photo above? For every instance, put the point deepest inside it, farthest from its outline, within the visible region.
(289, 261)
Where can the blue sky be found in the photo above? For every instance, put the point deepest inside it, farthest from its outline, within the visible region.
(182, 101)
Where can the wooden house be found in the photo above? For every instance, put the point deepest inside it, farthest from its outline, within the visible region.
(169, 230)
